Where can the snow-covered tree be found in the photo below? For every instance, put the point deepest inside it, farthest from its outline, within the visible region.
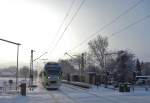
(98, 48)
(125, 66)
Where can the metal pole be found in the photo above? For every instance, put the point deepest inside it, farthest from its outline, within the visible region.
(82, 67)
(9, 41)
(17, 57)
(17, 67)
(31, 69)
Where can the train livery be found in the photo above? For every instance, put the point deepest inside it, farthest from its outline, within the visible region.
(51, 75)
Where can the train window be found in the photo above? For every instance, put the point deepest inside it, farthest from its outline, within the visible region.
(53, 72)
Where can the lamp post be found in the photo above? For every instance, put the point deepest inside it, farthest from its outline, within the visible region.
(17, 66)
(18, 44)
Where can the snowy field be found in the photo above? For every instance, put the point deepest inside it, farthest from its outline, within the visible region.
(6, 88)
(72, 94)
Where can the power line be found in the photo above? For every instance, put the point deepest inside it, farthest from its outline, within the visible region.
(66, 16)
(73, 17)
(108, 24)
(130, 25)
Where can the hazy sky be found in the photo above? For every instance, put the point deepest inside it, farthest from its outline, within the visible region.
(34, 24)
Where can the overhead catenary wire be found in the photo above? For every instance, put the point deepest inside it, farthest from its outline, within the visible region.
(63, 21)
(40, 56)
(107, 25)
(62, 34)
(130, 25)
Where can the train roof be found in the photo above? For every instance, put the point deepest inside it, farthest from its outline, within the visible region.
(52, 64)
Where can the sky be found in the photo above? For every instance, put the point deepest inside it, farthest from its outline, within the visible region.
(35, 23)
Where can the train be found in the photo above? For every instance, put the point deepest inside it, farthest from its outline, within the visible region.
(51, 75)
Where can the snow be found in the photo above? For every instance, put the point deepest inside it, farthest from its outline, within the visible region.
(72, 94)
(105, 95)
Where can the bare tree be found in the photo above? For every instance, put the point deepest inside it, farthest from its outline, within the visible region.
(98, 48)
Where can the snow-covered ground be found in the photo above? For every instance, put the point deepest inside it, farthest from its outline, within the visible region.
(72, 94)
(104, 95)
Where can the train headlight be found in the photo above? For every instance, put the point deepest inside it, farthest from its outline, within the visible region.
(49, 77)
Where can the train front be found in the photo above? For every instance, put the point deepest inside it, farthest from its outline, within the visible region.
(53, 75)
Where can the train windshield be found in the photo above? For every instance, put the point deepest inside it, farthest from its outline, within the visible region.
(53, 72)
